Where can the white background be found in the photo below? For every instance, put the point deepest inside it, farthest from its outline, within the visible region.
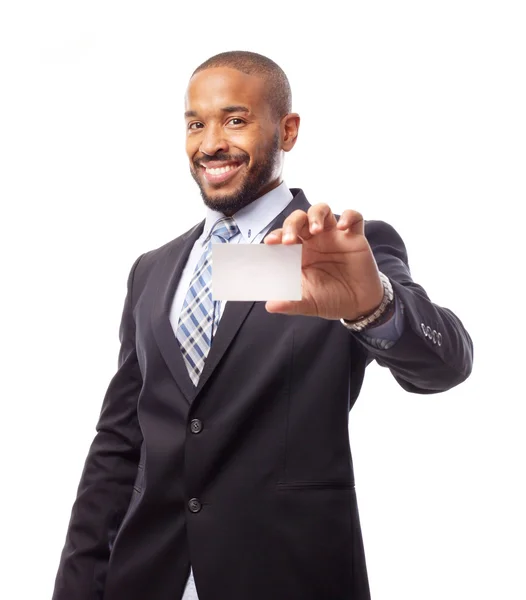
(412, 112)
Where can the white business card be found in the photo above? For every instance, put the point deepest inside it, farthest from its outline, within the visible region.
(256, 272)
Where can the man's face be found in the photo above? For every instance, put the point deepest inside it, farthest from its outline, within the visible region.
(232, 140)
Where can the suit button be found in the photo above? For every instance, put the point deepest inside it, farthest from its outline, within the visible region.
(434, 337)
(428, 332)
(423, 328)
(196, 426)
(194, 505)
(439, 339)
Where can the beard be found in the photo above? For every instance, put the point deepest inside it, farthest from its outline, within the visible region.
(258, 176)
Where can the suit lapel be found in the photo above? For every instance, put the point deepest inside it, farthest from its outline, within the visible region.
(167, 275)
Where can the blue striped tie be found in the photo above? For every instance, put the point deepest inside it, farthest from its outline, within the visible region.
(196, 323)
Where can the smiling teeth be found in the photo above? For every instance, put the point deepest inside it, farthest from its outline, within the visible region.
(220, 170)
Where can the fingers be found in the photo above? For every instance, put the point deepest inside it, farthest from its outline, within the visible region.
(351, 220)
(284, 307)
(295, 226)
(320, 218)
(274, 237)
(301, 225)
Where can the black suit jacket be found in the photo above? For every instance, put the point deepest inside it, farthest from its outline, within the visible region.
(271, 468)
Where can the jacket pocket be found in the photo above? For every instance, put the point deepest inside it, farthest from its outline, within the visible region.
(315, 485)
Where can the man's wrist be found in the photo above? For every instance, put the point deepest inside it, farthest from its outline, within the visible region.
(381, 315)
(383, 318)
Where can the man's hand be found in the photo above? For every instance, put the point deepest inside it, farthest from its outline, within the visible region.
(339, 273)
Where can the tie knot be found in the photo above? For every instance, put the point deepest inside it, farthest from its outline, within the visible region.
(224, 229)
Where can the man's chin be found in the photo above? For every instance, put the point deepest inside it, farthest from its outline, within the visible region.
(218, 201)
(217, 192)
(227, 203)
(218, 195)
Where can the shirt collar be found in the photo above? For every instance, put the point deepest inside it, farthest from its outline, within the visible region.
(252, 219)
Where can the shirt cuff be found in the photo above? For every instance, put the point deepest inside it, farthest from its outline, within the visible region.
(385, 335)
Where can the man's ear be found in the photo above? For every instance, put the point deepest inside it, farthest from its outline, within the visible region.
(290, 125)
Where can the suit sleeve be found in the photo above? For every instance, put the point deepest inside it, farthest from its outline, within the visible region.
(109, 473)
(419, 363)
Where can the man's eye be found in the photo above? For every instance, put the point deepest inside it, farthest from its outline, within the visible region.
(195, 125)
(236, 121)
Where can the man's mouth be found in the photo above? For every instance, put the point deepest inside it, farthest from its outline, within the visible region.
(216, 172)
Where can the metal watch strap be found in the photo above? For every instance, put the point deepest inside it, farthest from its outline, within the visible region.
(363, 322)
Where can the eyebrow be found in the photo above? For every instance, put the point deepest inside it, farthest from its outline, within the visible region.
(226, 109)
(235, 108)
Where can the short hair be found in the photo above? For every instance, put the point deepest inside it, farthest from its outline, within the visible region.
(279, 94)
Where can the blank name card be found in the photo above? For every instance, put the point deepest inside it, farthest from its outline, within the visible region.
(256, 272)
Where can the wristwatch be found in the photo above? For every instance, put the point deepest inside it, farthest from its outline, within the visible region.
(363, 322)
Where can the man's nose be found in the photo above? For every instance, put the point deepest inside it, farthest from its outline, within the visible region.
(213, 141)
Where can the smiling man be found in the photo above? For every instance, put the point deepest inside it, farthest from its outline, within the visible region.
(221, 467)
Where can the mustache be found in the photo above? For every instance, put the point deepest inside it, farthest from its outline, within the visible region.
(239, 158)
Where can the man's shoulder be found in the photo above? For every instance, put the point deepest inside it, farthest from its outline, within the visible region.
(383, 237)
(375, 228)
(173, 246)
(145, 263)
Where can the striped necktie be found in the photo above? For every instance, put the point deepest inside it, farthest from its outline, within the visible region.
(196, 323)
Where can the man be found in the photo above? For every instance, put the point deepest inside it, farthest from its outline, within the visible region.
(222, 450)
